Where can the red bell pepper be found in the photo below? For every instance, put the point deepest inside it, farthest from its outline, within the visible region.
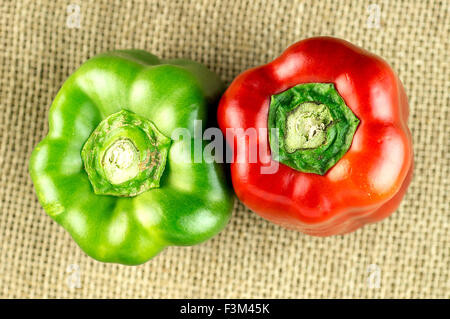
(335, 123)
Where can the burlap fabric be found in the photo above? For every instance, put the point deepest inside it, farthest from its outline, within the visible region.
(41, 45)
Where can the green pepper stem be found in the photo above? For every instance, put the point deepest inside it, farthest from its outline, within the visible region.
(121, 161)
(125, 155)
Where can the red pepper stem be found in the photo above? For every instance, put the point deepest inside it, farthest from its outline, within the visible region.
(306, 126)
(315, 127)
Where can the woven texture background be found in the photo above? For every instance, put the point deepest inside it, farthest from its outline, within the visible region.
(251, 257)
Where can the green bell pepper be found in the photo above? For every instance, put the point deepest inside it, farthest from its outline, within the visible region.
(111, 173)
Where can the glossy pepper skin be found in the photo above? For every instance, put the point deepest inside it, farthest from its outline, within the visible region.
(186, 202)
(367, 183)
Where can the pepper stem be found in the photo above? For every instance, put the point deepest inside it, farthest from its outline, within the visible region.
(121, 161)
(125, 155)
(306, 126)
(314, 127)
